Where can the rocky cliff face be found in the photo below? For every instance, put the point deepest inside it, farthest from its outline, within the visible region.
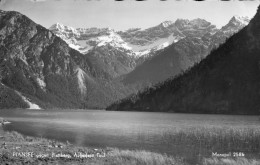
(226, 81)
(38, 67)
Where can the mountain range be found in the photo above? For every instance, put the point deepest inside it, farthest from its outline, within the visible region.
(225, 81)
(130, 54)
(91, 68)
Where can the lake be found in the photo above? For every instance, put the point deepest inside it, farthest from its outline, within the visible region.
(126, 130)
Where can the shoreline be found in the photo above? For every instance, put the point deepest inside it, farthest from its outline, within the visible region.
(129, 111)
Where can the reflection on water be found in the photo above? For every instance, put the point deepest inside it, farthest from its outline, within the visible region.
(131, 130)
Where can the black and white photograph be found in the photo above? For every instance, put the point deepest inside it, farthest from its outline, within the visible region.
(129, 82)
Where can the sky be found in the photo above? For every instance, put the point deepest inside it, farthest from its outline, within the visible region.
(122, 15)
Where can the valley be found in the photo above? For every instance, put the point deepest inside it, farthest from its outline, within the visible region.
(106, 82)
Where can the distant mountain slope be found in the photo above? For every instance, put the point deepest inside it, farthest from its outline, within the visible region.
(226, 81)
(200, 38)
(39, 68)
(112, 61)
(120, 52)
(173, 31)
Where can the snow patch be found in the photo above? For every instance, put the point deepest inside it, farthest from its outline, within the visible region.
(41, 83)
(31, 105)
(162, 46)
(167, 23)
(156, 48)
(73, 46)
(81, 81)
(113, 39)
(171, 39)
(142, 53)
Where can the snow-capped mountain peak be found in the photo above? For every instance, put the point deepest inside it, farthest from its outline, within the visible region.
(235, 23)
(57, 26)
(62, 28)
(239, 20)
(167, 23)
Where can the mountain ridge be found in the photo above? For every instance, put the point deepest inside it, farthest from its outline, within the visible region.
(40, 68)
(182, 25)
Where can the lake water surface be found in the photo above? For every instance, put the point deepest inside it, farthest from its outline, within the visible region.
(126, 130)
